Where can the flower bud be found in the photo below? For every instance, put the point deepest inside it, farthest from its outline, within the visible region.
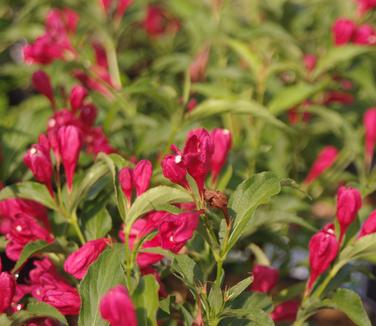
(365, 5)
(349, 202)
(122, 7)
(41, 82)
(174, 170)
(77, 97)
(117, 308)
(310, 61)
(7, 289)
(38, 160)
(323, 249)
(221, 138)
(369, 122)
(324, 161)
(141, 176)
(369, 226)
(365, 35)
(286, 311)
(343, 31)
(126, 182)
(79, 261)
(88, 115)
(68, 138)
(265, 278)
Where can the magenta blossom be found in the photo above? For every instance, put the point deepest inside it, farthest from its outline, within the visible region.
(41, 82)
(324, 161)
(78, 263)
(369, 122)
(365, 35)
(286, 311)
(265, 278)
(323, 249)
(7, 289)
(349, 201)
(77, 97)
(117, 308)
(221, 139)
(343, 31)
(369, 226)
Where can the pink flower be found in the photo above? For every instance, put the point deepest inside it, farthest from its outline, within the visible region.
(49, 287)
(7, 289)
(323, 249)
(38, 160)
(23, 230)
(265, 278)
(78, 263)
(221, 139)
(77, 97)
(286, 311)
(365, 35)
(88, 115)
(69, 140)
(349, 201)
(365, 5)
(299, 114)
(10, 208)
(141, 176)
(97, 142)
(197, 69)
(59, 119)
(122, 7)
(137, 178)
(173, 168)
(41, 82)
(157, 22)
(324, 161)
(191, 105)
(369, 226)
(369, 122)
(310, 61)
(332, 97)
(117, 308)
(62, 21)
(343, 31)
(126, 183)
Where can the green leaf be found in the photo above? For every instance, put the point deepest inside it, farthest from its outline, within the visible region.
(187, 270)
(250, 194)
(29, 190)
(361, 249)
(215, 300)
(41, 309)
(253, 62)
(146, 300)
(350, 303)
(4, 320)
(33, 248)
(103, 275)
(212, 107)
(97, 171)
(291, 96)
(98, 225)
(238, 289)
(257, 316)
(336, 56)
(153, 198)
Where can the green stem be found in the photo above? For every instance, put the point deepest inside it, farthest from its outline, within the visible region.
(219, 272)
(76, 227)
(113, 62)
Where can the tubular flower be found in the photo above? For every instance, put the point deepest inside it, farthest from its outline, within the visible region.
(324, 161)
(7, 289)
(323, 249)
(265, 278)
(369, 226)
(286, 311)
(41, 82)
(221, 139)
(78, 263)
(369, 122)
(349, 201)
(343, 31)
(117, 308)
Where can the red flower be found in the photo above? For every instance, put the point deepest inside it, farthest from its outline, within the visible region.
(117, 308)
(324, 161)
(173, 168)
(38, 160)
(221, 139)
(286, 311)
(338, 97)
(310, 61)
(7, 289)
(78, 263)
(349, 201)
(24, 229)
(157, 22)
(369, 226)
(125, 180)
(69, 141)
(77, 97)
(323, 249)
(265, 278)
(365, 35)
(49, 287)
(343, 31)
(41, 82)
(365, 5)
(369, 122)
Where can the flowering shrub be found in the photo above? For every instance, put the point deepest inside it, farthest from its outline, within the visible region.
(163, 162)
